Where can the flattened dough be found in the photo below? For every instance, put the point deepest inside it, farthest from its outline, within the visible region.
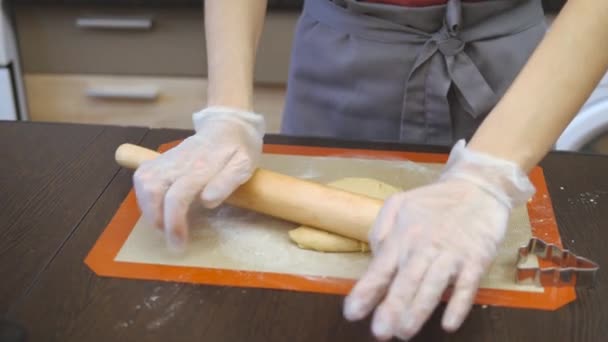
(322, 241)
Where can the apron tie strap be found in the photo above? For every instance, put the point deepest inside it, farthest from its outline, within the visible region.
(440, 63)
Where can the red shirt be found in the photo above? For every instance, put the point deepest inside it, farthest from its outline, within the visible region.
(415, 3)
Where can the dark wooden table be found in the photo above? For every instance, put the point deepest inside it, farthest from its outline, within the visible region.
(60, 186)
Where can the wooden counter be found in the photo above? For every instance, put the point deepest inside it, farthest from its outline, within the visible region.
(60, 186)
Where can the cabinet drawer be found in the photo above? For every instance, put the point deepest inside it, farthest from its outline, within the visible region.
(139, 40)
(112, 40)
(166, 102)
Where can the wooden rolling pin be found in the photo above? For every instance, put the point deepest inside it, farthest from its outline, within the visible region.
(289, 198)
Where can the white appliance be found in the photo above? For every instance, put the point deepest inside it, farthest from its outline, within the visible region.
(590, 123)
(8, 108)
(12, 101)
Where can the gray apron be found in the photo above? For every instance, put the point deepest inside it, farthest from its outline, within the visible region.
(426, 75)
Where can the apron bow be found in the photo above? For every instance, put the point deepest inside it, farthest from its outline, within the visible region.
(441, 63)
(449, 44)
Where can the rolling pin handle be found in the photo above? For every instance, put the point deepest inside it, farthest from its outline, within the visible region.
(131, 156)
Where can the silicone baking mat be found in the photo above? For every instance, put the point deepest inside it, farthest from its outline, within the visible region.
(235, 247)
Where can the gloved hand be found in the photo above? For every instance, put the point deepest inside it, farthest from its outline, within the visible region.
(207, 166)
(428, 238)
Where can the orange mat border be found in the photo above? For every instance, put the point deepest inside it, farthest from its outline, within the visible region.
(101, 257)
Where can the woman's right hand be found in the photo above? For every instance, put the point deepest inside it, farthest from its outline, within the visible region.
(207, 166)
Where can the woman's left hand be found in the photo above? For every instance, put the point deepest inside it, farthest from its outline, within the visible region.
(428, 238)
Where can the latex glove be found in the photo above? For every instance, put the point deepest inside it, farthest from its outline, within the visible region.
(207, 167)
(433, 236)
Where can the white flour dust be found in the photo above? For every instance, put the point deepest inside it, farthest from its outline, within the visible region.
(591, 198)
(242, 240)
(169, 313)
(150, 301)
(121, 325)
(124, 324)
(254, 234)
(161, 304)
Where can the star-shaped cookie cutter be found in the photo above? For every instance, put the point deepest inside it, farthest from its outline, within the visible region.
(566, 269)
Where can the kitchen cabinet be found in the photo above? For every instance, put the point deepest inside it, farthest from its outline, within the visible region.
(142, 40)
(157, 102)
(135, 64)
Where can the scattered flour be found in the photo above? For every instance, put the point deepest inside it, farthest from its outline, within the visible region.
(588, 198)
(169, 313)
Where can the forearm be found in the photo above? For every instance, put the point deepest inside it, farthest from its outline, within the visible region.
(232, 30)
(551, 88)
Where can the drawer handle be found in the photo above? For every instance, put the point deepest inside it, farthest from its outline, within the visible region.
(114, 23)
(140, 93)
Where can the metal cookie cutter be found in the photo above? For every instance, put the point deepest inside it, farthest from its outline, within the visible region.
(566, 269)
